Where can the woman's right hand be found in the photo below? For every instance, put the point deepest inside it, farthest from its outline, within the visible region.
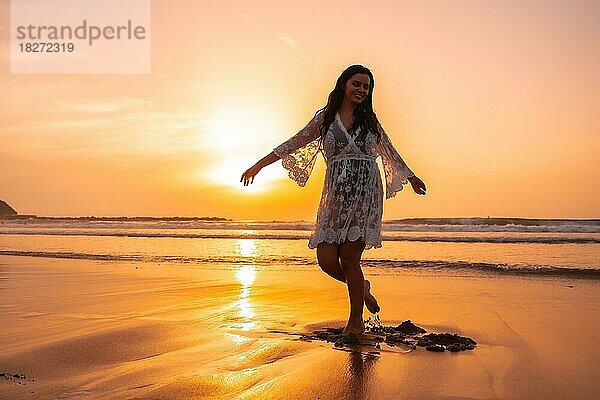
(248, 176)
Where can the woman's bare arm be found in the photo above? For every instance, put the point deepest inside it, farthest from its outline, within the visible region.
(248, 176)
(267, 160)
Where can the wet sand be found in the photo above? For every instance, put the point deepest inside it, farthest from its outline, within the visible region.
(92, 329)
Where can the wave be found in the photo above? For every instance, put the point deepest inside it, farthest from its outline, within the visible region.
(475, 224)
(435, 265)
(410, 221)
(496, 221)
(305, 235)
(563, 228)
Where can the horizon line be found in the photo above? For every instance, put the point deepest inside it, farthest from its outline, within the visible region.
(217, 218)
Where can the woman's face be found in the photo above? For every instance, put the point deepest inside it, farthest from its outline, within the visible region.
(357, 88)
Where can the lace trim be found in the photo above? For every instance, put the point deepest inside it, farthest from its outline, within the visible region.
(299, 153)
(371, 237)
(299, 163)
(395, 169)
(394, 180)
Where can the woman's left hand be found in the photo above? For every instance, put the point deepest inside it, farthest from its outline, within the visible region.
(417, 184)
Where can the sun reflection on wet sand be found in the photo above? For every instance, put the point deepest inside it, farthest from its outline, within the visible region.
(247, 247)
(245, 274)
(237, 339)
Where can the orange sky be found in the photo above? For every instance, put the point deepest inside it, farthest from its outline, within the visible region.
(493, 104)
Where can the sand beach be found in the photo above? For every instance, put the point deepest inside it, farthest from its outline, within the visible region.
(91, 329)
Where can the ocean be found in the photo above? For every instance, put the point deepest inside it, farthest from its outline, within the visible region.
(535, 248)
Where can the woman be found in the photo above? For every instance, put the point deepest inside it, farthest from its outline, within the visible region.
(346, 131)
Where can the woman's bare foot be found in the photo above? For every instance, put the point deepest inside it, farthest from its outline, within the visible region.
(370, 300)
(354, 327)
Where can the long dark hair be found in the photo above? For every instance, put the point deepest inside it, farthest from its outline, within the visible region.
(364, 116)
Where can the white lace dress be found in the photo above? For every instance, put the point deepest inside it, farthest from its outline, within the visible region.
(351, 205)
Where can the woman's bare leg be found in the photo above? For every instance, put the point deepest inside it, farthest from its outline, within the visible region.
(370, 300)
(329, 260)
(350, 254)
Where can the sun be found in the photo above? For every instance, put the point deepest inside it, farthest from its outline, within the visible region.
(235, 138)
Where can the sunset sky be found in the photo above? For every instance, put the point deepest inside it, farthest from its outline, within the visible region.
(495, 105)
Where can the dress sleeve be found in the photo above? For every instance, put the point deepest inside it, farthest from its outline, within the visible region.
(299, 153)
(395, 169)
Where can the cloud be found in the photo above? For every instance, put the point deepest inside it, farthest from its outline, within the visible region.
(102, 133)
(288, 41)
(105, 105)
